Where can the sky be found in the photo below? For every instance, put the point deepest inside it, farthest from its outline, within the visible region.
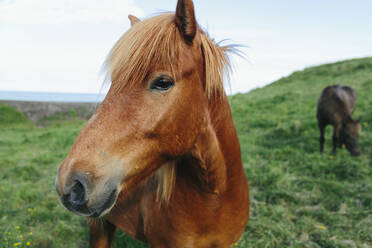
(60, 45)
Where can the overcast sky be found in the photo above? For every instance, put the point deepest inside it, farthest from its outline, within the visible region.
(60, 45)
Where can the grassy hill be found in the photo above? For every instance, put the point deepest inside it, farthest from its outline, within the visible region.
(300, 198)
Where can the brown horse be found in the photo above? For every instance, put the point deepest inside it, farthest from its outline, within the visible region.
(335, 107)
(160, 159)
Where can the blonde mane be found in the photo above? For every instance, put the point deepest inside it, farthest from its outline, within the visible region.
(157, 41)
(166, 179)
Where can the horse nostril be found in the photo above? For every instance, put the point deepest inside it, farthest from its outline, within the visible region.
(76, 194)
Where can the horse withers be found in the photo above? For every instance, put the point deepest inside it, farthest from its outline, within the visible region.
(335, 107)
(160, 159)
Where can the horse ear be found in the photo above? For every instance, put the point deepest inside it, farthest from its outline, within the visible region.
(133, 20)
(185, 19)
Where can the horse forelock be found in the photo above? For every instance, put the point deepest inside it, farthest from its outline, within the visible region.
(157, 42)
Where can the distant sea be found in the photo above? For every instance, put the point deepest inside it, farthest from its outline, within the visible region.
(50, 96)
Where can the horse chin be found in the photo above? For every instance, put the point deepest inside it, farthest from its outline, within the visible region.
(106, 207)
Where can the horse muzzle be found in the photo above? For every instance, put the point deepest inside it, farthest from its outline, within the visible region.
(77, 198)
(355, 153)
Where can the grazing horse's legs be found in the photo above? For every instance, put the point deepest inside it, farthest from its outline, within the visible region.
(336, 136)
(321, 139)
(101, 233)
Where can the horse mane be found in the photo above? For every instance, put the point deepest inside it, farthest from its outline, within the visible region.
(166, 179)
(157, 41)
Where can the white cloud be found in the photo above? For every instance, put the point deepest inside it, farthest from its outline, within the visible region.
(66, 11)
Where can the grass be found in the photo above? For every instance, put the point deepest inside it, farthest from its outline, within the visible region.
(299, 197)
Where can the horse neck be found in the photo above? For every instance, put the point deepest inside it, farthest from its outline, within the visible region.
(217, 150)
(224, 127)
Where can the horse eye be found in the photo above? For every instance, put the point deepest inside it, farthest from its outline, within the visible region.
(161, 84)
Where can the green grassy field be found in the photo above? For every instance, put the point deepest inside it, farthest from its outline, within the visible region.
(299, 197)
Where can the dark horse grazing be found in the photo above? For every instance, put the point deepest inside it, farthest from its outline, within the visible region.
(160, 159)
(335, 106)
